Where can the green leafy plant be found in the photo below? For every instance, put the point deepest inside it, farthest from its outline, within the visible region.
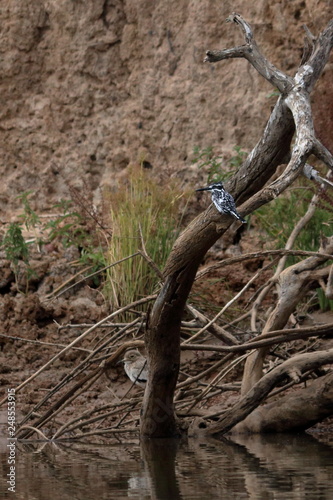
(275, 93)
(16, 250)
(207, 160)
(14, 244)
(29, 217)
(66, 228)
(278, 219)
(237, 160)
(325, 304)
(69, 228)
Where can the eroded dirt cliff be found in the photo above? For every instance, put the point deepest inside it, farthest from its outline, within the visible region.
(89, 87)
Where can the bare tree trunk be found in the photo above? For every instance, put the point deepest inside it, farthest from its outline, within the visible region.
(291, 112)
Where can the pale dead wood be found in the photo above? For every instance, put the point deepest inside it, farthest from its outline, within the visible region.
(288, 415)
(215, 329)
(85, 418)
(298, 364)
(290, 242)
(228, 304)
(218, 377)
(294, 282)
(291, 113)
(37, 431)
(40, 342)
(206, 372)
(79, 387)
(329, 285)
(255, 255)
(267, 339)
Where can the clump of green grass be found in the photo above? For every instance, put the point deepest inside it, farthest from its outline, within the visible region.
(143, 215)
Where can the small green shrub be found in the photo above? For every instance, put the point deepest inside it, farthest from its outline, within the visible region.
(69, 228)
(279, 217)
(207, 160)
(14, 244)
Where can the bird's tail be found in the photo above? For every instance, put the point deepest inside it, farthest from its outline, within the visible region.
(239, 217)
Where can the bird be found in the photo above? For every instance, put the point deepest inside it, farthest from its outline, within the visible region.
(223, 200)
(135, 366)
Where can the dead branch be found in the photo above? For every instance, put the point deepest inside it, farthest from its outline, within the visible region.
(267, 339)
(255, 255)
(226, 306)
(287, 414)
(79, 339)
(216, 330)
(292, 237)
(55, 293)
(299, 363)
(294, 282)
(80, 385)
(329, 286)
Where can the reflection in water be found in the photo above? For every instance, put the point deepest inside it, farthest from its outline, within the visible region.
(250, 467)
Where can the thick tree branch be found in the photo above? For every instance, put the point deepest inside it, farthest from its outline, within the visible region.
(287, 414)
(251, 52)
(163, 332)
(300, 364)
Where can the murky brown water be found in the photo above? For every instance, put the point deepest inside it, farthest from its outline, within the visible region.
(274, 467)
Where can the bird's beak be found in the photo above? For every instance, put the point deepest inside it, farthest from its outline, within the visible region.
(204, 189)
(120, 361)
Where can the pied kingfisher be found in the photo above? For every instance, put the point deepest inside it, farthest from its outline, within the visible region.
(223, 200)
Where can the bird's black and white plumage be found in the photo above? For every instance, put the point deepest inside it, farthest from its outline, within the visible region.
(223, 200)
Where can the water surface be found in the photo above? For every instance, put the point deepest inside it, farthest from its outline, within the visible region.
(255, 467)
